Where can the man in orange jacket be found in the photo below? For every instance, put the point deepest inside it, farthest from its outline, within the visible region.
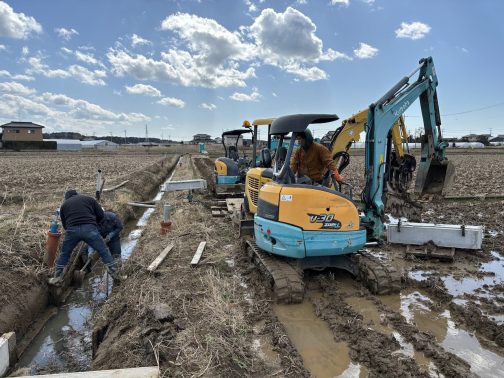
(313, 159)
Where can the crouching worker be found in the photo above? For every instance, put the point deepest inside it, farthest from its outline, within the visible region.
(110, 228)
(80, 216)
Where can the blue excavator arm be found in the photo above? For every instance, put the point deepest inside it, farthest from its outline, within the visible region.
(435, 173)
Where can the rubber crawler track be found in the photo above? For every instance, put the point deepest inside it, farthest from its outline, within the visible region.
(379, 277)
(285, 277)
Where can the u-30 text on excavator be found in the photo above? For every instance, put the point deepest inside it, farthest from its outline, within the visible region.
(299, 226)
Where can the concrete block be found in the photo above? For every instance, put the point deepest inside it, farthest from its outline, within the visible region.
(172, 186)
(7, 351)
(442, 235)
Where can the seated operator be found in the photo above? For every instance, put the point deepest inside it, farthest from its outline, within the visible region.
(313, 159)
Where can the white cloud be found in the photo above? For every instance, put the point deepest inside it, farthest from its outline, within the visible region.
(301, 2)
(137, 40)
(464, 50)
(340, 2)
(77, 72)
(254, 96)
(86, 58)
(86, 76)
(172, 101)
(81, 109)
(64, 113)
(2, 47)
(179, 67)
(288, 40)
(25, 51)
(66, 34)
(147, 90)
(203, 53)
(207, 38)
(17, 88)
(307, 73)
(16, 25)
(365, 51)
(274, 94)
(16, 77)
(210, 107)
(414, 30)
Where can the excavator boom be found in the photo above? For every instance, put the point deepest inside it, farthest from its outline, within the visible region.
(435, 173)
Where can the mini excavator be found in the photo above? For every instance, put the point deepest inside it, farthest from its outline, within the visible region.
(298, 226)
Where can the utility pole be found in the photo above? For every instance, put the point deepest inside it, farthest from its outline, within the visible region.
(125, 137)
(162, 137)
(111, 137)
(146, 134)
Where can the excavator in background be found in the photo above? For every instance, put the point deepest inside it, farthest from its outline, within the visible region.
(298, 226)
(399, 170)
(230, 170)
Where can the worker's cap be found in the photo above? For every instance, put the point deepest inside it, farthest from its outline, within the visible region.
(70, 193)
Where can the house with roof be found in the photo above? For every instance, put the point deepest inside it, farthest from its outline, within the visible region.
(22, 131)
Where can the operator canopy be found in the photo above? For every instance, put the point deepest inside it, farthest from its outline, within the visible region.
(298, 123)
(235, 132)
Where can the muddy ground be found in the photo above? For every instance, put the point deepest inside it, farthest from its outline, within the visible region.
(220, 318)
(33, 185)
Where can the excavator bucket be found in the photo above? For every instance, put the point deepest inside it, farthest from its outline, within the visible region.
(434, 177)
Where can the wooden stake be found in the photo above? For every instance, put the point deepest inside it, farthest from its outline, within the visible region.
(199, 252)
(115, 187)
(153, 266)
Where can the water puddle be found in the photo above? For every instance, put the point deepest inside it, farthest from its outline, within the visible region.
(313, 339)
(64, 344)
(413, 305)
(490, 274)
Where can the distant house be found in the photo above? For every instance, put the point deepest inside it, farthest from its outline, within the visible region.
(497, 141)
(475, 137)
(22, 131)
(498, 138)
(99, 145)
(66, 144)
(202, 138)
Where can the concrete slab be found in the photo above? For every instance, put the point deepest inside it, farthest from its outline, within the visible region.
(4, 356)
(141, 372)
(172, 186)
(442, 235)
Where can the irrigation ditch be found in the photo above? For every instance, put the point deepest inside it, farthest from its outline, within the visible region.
(55, 336)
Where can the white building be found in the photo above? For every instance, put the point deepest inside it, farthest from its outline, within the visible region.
(66, 144)
(99, 145)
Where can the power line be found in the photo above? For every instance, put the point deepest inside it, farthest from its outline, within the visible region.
(466, 111)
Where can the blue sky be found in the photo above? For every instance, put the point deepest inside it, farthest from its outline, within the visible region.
(204, 66)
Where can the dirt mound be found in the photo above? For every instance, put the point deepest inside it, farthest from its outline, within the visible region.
(206, 168)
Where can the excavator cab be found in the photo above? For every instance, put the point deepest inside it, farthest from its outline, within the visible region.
(230, 170)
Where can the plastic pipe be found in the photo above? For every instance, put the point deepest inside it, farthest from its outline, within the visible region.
(52, 247)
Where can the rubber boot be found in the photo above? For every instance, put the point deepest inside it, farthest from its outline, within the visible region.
(57, 277)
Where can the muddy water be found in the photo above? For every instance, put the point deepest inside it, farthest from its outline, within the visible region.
(64, 344)
(313, 339)
(376, 321)
(413, 305)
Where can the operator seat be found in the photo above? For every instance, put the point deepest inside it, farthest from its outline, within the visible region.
(233, 153)
(266, 158)
(282, 154)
